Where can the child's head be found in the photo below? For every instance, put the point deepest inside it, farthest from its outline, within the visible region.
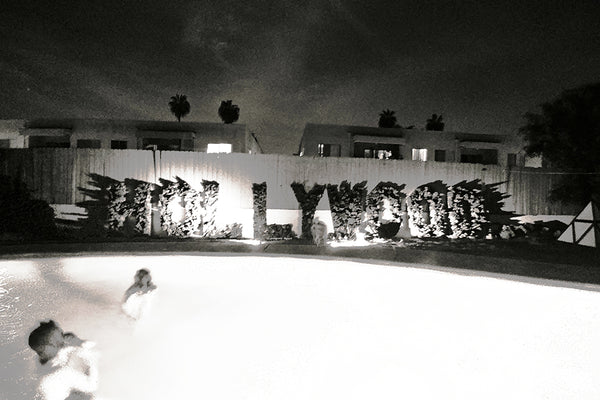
(46, 340)
(142, 276)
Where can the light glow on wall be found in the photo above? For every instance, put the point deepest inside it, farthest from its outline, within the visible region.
(218, 148)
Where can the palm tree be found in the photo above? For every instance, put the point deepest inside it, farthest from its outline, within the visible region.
(434, 123)
(180, 106)
(228, 112)
(387, 119)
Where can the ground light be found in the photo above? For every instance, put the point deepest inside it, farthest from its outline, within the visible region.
(263, 327)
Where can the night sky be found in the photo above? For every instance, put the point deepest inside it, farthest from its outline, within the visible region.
(482, 64)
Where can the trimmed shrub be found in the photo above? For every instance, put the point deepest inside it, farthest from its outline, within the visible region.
(233, 231)
(199, 208)
(118, 208)
(347, 206)
(375, 206)
(126, 207)
(141, 205)
(278, 232)
(171, 194)
(259, 196)
(208, 207)
(308, 203)
(428, 210)
(468, 216)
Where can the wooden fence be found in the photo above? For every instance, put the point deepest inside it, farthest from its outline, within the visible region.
(55, 175)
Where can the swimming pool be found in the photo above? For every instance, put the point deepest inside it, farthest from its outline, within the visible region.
(231, 326)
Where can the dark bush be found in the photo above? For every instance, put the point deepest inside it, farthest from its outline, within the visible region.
(347, 204)
(391, 192)
(388, 230)
(233, 231)
(308, 203)
(21, 215)
(259, 195)
(278, 232)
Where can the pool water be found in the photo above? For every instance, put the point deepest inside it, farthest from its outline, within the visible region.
(261, 327)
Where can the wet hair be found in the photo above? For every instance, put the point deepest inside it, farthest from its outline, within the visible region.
(40, 337)
(140, 273)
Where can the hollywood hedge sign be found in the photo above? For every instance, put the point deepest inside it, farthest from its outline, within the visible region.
(433, 209)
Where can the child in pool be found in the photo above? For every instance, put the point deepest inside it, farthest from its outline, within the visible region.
(68, 365)
(137, 296)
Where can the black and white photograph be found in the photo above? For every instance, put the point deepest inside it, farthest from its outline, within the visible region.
(299, 200)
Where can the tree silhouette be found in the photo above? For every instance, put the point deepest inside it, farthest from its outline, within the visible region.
(21, 214)
(567, 136)
(387, 119)
(180, 106)
(435, 123)
(228, 112)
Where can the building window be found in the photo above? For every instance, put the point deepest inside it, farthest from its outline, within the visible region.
(118, 144)
(377, 150)
(384, 154)
(419, 154)
(324, 150)
(63, 142)
(479, 156)
(4, 143)
(328, 150)
(88, 144)
(440, 155)
(471, 158)
(218, 148)
(511, 160)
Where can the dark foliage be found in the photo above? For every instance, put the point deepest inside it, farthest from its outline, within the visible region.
(467, 211)
(387, 119)
(21, 215)
(308, 203)
(375, 205)
(229, 112)
(96, 205)
(278, 232)
(141, 195)
(179, 106)
(118, 208)
(388, 230)
(233, 231)
(208, 203)
(347, 206)
(428, 209)
(434, 123)
(259, 195)
(463, 210)
(567, 136)
(173, 193)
